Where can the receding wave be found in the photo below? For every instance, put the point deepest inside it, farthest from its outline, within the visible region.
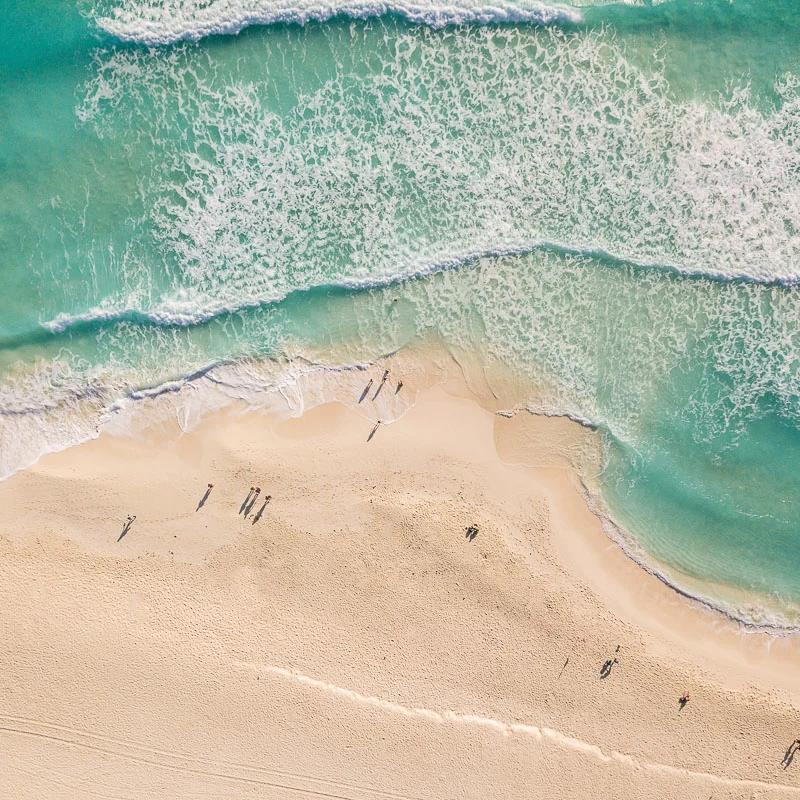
(160, 23)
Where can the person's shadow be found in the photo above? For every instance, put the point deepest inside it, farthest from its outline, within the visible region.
(203, 499)
(260, 511)
(125, 529)
(243, 506)
(790, 753)
(365, 392)
(605, 670)
(250, 505)
(472, 532)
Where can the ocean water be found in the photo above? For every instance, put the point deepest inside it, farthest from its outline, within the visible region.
(211, 197)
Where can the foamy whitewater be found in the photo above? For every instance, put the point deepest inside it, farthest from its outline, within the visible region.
(213, 201)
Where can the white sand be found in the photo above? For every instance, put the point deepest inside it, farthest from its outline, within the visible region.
(352, 643)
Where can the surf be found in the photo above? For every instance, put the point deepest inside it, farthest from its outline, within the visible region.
(158, 24)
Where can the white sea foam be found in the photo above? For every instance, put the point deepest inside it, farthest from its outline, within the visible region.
(195, 308)
(160, 22)
(469, 141)
(62, 403)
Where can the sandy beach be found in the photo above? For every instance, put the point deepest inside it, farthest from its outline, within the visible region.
(349, 639)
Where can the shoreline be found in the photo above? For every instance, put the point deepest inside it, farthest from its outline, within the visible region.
(357, 589)
(310, 383)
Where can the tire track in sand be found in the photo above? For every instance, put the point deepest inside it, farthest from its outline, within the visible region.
(183, 762)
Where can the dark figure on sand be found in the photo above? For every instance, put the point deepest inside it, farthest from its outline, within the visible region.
(243, 506)
(605, 670)
(472, 532)
(127, 526)
(366, 390)
(260, 511)
(790, 753)
(399, 387)
(251, 501)
(375, 428)
(683, 700)
(205, 497)
(383, 381)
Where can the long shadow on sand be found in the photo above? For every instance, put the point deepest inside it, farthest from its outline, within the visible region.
(243, 506)
(125, 528)
(260, 511)
(203, 499)
(366, 391)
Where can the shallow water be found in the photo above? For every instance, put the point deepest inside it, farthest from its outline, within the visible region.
(607, 204)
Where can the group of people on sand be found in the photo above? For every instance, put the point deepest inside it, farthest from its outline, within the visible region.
(381, 385)
(255, 491)
(611, 662)
(374, 396)
(249, 502)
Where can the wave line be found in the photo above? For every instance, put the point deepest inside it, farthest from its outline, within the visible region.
(164, 26)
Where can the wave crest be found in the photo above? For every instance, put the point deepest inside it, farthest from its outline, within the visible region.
(161, 23)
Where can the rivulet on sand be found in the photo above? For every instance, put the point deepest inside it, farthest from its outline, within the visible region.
(353, 642)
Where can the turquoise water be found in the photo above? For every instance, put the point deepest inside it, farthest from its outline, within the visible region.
(604, 199)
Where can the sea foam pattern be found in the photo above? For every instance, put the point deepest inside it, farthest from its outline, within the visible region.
(421, 147)
(168, 21)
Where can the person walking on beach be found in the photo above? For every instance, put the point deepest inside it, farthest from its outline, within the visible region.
(381, 384)
(366, 390)
(205, 497)
(127, 526)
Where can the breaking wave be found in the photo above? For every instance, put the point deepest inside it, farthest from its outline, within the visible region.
(163, 22)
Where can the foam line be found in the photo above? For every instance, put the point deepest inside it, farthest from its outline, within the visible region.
(182, 314)
(167, 23)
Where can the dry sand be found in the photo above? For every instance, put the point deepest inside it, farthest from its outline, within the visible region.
(352, 642)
